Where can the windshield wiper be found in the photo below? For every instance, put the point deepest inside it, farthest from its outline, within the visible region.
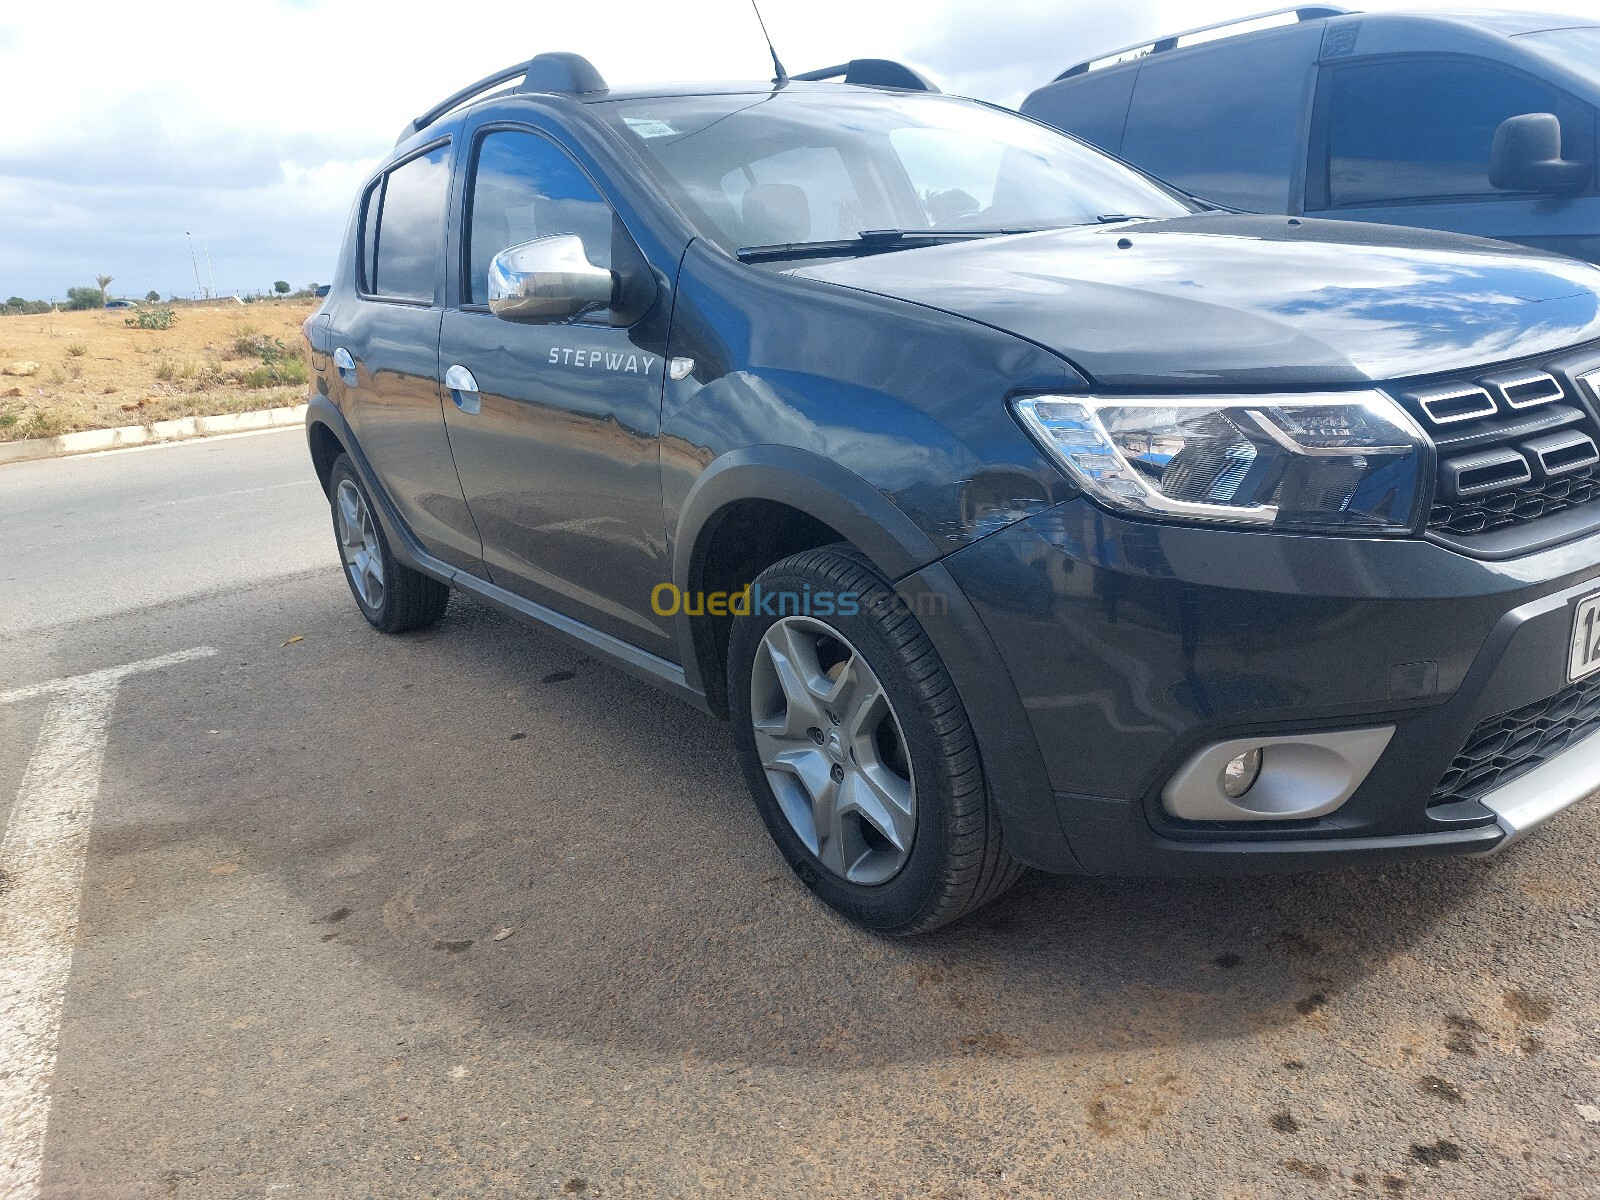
(1117, 218)
(870, 241)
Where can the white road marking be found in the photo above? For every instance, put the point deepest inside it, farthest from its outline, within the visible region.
(307, 482)
(41, 877)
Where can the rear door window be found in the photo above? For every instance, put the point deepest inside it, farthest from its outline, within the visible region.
(408, 234)
(1418, 130)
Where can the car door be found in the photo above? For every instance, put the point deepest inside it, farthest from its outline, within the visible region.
(1407, 140)
(386, 345)
(555, 426)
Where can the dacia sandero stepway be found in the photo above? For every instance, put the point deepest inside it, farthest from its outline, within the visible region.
(1015, 507)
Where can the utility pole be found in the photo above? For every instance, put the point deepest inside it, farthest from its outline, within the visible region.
(197, 285)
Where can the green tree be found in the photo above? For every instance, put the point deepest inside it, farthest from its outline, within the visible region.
(104, 281)
(85, 297)
(153, 296)
(281, 287)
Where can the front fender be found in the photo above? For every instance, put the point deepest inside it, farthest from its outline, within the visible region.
(815, 485)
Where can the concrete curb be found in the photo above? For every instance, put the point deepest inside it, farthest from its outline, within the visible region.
(92, 440)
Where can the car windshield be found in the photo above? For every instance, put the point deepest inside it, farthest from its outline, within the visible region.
(1576, 49)
(826, 164)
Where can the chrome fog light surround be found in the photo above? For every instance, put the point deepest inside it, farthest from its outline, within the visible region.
(1296, 776)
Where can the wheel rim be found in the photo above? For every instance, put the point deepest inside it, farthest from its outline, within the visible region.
(833, 750)
(358, 543)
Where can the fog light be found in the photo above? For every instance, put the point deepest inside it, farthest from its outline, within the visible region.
(1306, 775)
(1240, 775)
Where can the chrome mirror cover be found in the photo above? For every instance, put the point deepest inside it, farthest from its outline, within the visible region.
(547, 279)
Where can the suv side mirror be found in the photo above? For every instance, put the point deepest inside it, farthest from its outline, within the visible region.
(1527, 157)
(547, 279)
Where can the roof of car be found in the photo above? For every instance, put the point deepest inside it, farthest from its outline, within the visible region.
(657, 91)
(573, 77)
(1496, 22)
(1504, 22)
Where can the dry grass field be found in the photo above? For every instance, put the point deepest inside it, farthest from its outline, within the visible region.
(95, 371)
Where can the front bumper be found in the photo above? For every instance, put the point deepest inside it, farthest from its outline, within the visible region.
(1132, 645)
(1530, 800)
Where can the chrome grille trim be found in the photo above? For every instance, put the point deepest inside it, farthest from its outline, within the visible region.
(1451, 404)
(1562, 453)
(1524, 389)
(1483, 473)
(1514, 444)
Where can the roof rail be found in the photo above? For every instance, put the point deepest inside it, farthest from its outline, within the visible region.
(1170, 42)
(875, 72)
(559, 73)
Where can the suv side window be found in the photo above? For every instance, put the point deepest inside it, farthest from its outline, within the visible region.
(524, 187)
(1093, 107)
(371, 203)
(1222, 119)
(1422, 129)
(403, 231)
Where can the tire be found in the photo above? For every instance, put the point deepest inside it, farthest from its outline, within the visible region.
(393, 597)
(891, 867)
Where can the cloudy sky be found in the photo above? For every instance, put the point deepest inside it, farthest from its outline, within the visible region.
(251, 122)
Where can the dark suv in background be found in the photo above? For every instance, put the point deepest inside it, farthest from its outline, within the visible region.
(1481, 123)
(1015, 508)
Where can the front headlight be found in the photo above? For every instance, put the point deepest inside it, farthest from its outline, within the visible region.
(1348, 461)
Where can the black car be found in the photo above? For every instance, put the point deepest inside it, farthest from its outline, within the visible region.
(1016, 509)
(1475, 122)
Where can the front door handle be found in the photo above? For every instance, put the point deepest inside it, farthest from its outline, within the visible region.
(463, 389)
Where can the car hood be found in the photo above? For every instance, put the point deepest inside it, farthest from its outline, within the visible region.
(1220, 299)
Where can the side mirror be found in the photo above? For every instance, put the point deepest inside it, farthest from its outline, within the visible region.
(1527, 157)
(547, 279)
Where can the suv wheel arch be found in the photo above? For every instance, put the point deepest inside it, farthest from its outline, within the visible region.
(789, 500)
(326, 447)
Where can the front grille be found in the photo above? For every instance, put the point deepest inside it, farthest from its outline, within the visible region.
(1514, 507)
(1514, 445)
(1514, 743)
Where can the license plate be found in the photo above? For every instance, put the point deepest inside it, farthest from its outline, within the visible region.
(1585, 657)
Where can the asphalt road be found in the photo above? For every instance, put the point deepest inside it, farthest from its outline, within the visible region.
(293, 974)
(103, 533)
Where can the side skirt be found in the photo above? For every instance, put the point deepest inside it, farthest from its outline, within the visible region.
(651, 668)
(629, 657)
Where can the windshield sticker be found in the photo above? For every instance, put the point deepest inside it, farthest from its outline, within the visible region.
(649, 127)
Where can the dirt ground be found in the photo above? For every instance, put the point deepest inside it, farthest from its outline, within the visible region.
(95, 371)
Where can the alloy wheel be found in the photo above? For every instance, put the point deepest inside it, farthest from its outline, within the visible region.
(359, 545)
(833, 750)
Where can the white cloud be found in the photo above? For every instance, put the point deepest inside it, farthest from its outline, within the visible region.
(250, 122)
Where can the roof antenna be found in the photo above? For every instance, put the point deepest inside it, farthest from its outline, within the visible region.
(782, 76)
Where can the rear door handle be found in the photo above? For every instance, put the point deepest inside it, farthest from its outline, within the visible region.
(463, 390)
(345, 364)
